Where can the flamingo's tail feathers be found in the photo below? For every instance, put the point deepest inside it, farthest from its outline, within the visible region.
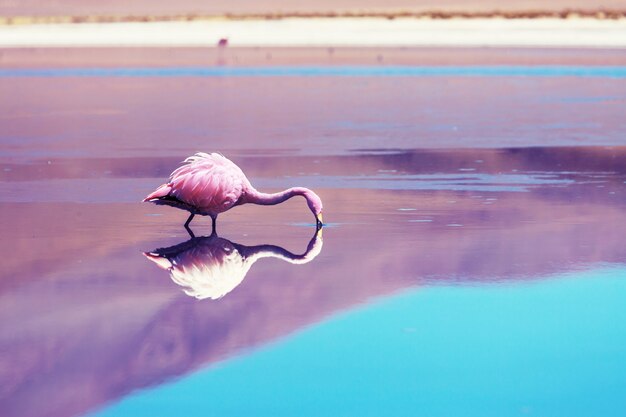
(162, 191)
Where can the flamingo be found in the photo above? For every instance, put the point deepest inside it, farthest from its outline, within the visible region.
(210, 184)
(211, 266)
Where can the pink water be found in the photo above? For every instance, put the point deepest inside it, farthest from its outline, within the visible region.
(425, 181)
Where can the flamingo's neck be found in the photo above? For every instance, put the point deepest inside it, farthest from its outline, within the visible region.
(256, 197)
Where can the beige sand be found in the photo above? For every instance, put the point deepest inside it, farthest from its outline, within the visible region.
(326, 32)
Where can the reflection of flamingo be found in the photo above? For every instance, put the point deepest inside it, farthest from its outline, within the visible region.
(211, 266)
(209, 184)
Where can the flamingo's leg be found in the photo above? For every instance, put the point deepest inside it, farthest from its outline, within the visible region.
(213, 222)
(187, 225)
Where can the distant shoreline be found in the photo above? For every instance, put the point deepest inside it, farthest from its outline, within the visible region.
(325, 32)
(598, 13)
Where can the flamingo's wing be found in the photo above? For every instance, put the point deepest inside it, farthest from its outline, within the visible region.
(208, 181)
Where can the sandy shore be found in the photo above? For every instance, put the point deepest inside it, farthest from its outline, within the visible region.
(326, 32)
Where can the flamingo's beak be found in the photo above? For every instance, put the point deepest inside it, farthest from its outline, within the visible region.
(320, 221)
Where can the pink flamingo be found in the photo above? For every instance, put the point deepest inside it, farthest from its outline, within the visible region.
(210, 184)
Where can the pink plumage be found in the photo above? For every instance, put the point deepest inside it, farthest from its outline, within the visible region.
(210, 184)
(162, 191)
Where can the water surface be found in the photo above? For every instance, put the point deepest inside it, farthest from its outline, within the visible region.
(475, 277)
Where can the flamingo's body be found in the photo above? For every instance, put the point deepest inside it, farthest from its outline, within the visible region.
(210, 184)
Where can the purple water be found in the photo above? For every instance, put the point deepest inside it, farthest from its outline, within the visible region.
(447, 183)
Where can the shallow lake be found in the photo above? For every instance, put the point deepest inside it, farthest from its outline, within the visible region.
(461, 271)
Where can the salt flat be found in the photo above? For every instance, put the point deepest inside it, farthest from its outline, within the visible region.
(325, 32)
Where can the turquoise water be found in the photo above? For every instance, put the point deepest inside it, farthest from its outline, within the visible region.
(554, 347)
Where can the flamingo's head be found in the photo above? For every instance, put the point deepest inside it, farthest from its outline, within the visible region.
(315, 205)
